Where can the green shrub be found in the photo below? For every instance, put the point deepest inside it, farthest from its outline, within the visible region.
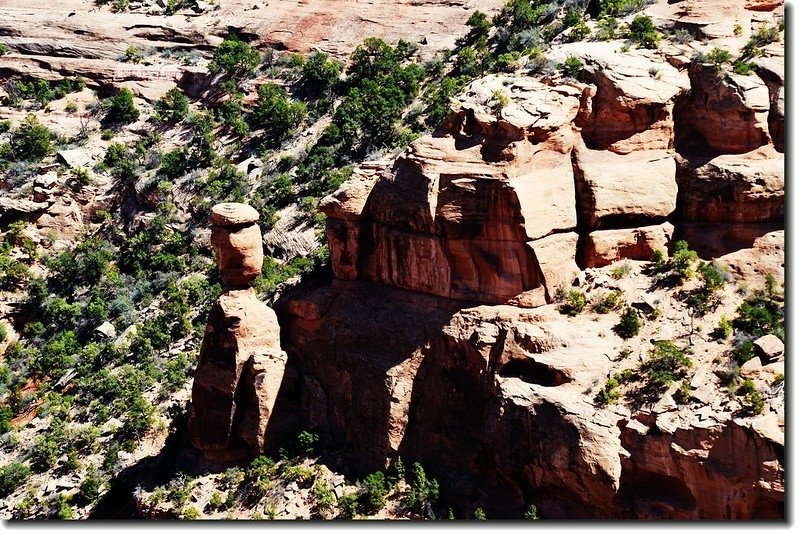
(259, 475)
(179, 490)
(64, 510)
(682, 36)
(761, 313)
(743, 67)
(531, 513)
(44, 453)
(571, 67)
(299, 473)
(234, 57)
(308, 442)
(752, 402)
(719, 57)
(479, 26)
(619, 7)
(173, 164)
(724, 330)
(70, 107)
(610, 301)
(320, 74)
(276, 113)
(190, 513)
(89, 489)
(120, 108)
(82, 175)
(172, 107)
(666, 363)
(479, 514)
(681, 263)
(423, 492)
(31, 140)
(629, 323)
(324, 498)
(579, 32)
(216, 502)
(762, 37)
(607, 28)
(375, 492)
(5, 126)
(608, 394)
(348, 505)
(3, 49)
(13, 476)
(642, 31)
(116, 153)
(575, 303)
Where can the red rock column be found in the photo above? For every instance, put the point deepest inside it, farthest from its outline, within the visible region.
(241, 364)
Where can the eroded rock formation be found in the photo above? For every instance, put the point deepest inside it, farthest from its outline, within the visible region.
(449, 251)
(241, 365)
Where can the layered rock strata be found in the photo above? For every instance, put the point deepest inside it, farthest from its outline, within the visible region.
(449, 250)
(241, 367)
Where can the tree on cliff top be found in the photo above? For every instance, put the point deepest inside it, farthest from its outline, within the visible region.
(234, 57)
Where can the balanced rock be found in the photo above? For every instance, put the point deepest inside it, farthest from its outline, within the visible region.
(236, 239)
(241, 366)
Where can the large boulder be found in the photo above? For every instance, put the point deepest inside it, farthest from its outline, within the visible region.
(729, 111)
(236, 239)
(604, 247)
(623, 191)
(740, 188)
(630, 104)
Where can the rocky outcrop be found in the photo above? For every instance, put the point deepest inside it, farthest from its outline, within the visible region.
(746, 188)
(604, 247)
(625, 190)
(74, 40)
(450, 250)
(236, 239)
(495, 398)
(629, 105)
(730, 111)
(484, 213)
(241, 368)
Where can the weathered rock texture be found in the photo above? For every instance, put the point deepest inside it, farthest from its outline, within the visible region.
(729, 111)
(236, 239)
(468, 216)
(241, 368)
(494, 398)
(431, 343)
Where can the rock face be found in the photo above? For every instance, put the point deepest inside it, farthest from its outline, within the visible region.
(450, 250)
(484, 214)
(75, 40)
(730, 111)
(241, 368)
(746, 188)
(627, 107)
(491, 397)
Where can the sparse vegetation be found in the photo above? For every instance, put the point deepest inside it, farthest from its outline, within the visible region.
(575, 303)
(629, 323)
(571, 68)
(643, 32)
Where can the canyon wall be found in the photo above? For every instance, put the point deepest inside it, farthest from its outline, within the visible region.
(432, 343)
